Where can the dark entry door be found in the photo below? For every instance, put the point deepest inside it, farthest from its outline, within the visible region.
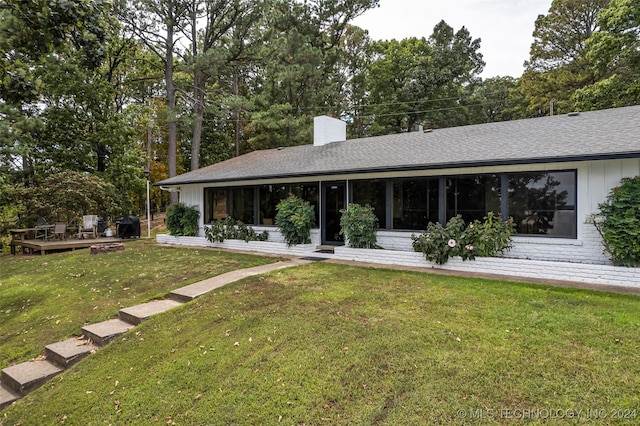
(334, 199)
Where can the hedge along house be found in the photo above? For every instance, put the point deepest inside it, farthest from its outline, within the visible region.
(548, 173)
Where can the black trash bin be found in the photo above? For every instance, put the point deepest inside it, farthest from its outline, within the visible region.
(128, 226)
(102, 226)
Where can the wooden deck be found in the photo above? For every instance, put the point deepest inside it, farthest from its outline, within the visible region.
(71, 244)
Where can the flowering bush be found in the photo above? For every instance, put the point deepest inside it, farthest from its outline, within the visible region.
(487, 238)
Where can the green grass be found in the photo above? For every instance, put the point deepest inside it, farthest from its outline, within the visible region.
(332, 344)
(44, 299)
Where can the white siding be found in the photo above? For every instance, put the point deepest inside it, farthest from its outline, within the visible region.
(193, 195)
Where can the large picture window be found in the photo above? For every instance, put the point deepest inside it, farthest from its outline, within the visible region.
(270, 196)
(309, 192)
(215, 206)
(415, 203)
(373, 193)
(242, 202)
(543, 203)
(473, 197)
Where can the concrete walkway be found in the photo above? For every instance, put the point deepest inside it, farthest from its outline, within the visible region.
(18, 380)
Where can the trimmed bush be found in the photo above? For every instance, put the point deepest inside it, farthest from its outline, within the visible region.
(358, 225)
(182, 220)
(295, 218)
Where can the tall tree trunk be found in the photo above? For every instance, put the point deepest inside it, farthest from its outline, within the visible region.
(198, 94)
(197, 134)
(172, 143)
(236, 122)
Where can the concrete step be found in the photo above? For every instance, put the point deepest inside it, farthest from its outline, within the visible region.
(25, 377)
(7, 396)
(68, 352)
(137, 314)
(103, 332)
(325, 249)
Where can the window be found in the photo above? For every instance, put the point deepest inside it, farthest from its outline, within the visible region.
(270, 196)
(543, 203)
(215, 204)
(473, 197)
(373, 193)
(415, 203)
(242, 202)
(308, 192)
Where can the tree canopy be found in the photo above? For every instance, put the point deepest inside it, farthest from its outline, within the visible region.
(109, 90)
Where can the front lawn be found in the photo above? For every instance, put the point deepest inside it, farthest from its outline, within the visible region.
(44, 299)
(333, 344)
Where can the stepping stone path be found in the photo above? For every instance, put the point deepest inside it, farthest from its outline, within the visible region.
(18, 380)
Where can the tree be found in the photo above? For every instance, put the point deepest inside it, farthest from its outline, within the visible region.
(559, 64)
(419, 81)
(30, 31)
(220, 46)
(389, 103)
(158, 23)
(351, 79)
(615, 51)
(458, 63)
(32, 36)
(64, 196)
(560, 37)
(299, 67)
(495, 99)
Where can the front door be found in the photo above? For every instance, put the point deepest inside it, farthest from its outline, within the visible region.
(333, 200)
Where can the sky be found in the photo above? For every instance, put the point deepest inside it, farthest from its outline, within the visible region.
(504, 26)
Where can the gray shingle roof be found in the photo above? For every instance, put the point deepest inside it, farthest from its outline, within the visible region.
(612, 133)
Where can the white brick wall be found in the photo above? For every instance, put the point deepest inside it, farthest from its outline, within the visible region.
(587, 249)
(564, 271)
(254, 246)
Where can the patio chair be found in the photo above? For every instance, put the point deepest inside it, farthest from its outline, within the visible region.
(60, 231)
(88, 227)
(42, 229)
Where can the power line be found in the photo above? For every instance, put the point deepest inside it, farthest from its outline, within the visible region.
(482, 104)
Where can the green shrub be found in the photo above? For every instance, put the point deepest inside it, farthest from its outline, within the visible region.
(490, 237)
(231, 229)
(358, 225)
(183, 220)
(439, 243)
(295, 218)
(619, 223)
